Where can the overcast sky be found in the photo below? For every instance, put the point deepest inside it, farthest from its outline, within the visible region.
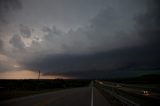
(79, 38)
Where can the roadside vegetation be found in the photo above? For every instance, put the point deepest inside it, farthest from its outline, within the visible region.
(10, 89)
(143, 90)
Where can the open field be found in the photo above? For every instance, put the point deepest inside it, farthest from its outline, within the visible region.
(116, 92)
(10, 89)
(78, 95)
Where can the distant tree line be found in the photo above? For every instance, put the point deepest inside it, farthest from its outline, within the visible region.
(41, 84)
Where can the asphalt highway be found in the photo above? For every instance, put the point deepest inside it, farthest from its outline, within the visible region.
(85, 96)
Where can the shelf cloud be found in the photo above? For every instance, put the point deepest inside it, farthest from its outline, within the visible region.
(80, 38)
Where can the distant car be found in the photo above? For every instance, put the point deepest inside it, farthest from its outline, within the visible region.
(118, 86)
(100, 82)
(145, 92)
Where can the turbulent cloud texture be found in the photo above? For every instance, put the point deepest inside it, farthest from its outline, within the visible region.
(84, 39)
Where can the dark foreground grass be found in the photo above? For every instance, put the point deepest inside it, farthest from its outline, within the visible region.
(10, 89)
(6, 95)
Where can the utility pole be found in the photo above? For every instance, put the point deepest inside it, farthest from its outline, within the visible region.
(39, 73)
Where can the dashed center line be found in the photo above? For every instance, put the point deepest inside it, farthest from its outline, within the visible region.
(92, 97)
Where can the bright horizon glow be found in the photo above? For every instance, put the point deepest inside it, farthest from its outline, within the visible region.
(26, 74)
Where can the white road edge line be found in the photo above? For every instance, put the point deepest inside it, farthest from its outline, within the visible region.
(92, 97)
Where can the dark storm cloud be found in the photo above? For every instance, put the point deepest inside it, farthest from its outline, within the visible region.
(119, 37)
(1, 45)
(112, 28)
(25, 31)
(7, 10)
(17, 43)
(7, 6)
(149, 24)
(51, 31)
(108, 26)
(135, 58)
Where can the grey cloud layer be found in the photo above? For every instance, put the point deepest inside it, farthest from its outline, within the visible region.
(7, 6)
(25, 31)
(122, 36)
(17, 42)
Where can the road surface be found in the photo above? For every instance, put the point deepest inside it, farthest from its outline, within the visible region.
(85, 96)
(125, 87)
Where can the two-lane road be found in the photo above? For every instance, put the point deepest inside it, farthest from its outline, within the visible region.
(85, 96)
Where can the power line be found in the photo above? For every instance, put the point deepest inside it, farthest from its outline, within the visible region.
(39, 73)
